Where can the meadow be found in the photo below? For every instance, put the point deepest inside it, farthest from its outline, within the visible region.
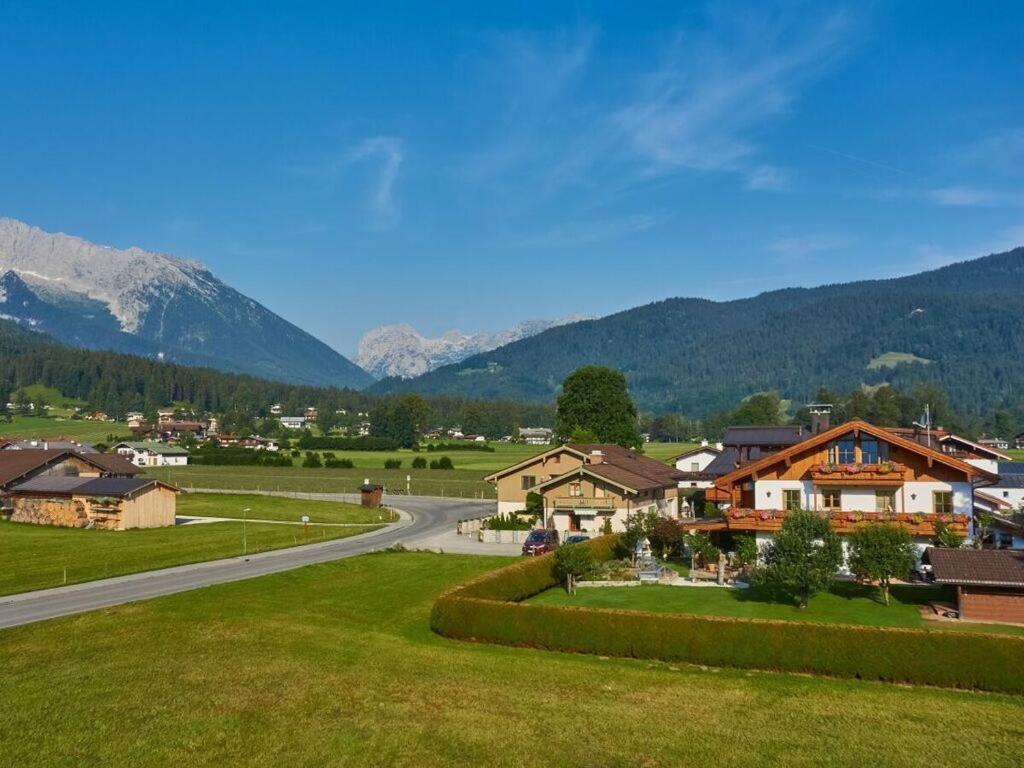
(58, 427)
(40, 557)
(334, 665)
(464, 481)
(278, 508)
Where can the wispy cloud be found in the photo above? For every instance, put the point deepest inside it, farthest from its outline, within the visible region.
(800, 247)
(381, 155)
(769, 178)
(963, 196)
(931, 256)
(699, 108)
(1000, 153)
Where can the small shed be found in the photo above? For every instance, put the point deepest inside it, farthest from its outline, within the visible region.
(371, 494)
(989, 583)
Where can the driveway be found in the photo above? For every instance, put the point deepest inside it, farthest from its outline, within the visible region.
(422, 519)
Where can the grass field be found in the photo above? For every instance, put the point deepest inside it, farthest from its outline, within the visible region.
(36, 556)
(53, 428)
(426, 482)
(274, 508)
(465, 481)
(847, 603)
(334, 665)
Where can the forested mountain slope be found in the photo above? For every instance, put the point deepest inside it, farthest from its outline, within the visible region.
(699, 356)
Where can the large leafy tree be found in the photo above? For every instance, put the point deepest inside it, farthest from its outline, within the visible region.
(402, 419)
(596, 402)
(802, 558)
(881, 552)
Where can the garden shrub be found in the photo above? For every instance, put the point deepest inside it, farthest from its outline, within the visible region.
(443, 463)
(392, 464)
(312, 460)
(419, 463)
(490, 609)
(339, 463)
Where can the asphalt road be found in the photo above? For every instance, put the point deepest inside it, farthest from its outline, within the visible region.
(422, 518)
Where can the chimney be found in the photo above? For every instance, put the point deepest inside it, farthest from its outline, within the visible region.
(719, 446)
(820, 413)
(596, 456)
(366, 481)
(704, 443)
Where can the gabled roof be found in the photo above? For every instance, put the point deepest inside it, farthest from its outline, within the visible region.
(975, 446)
(695, 451)
(856, 425)
(789, 434)
(984, 567)
(15, 465)
(622, 467)
(536, 457)
(981, 495)
(155, 447)
(1011, 474)
(89, 486)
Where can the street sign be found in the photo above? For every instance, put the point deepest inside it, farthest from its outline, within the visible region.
(305, 518)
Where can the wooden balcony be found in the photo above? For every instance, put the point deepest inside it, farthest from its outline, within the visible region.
(887, 473)
(584, 502)
(770, 520)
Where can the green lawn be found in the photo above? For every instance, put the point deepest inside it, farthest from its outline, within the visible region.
(275, 508)
(334, 665)
(847, 603)
(36, 556)
(465, 481)
(53, 428)
(426, 482)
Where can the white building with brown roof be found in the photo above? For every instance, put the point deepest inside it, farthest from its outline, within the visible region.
(586, 487)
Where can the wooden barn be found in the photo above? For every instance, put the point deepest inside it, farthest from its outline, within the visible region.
(114, 503)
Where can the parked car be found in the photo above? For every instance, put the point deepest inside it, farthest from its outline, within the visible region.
(540, 541)
(576, 538)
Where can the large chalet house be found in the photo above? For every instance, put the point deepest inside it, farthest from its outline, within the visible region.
(589, 487)
(856, 474)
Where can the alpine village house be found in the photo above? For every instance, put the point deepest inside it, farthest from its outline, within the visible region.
(589, 487)
(855, 473)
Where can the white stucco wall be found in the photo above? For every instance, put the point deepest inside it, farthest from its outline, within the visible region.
(768, 494)
(1014, 496)
(702, 458)
(989, 465)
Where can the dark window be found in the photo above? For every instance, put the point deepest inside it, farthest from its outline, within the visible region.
(528, 482)
(791, 499)
(831, 498)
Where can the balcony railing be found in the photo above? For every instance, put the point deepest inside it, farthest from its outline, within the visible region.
(918, 524)
(583, 502)
(861, 474)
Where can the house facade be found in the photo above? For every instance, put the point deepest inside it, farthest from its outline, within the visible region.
(152, 454)
(855, 474)
(694, 463)
(589, 488)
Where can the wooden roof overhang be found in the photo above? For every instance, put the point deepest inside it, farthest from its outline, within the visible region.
(727, 483)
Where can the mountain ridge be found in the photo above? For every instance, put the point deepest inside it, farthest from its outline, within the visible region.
(401, 351)
(142, 302)
(696, 355)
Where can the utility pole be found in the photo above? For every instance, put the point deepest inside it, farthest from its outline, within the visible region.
(245, 543)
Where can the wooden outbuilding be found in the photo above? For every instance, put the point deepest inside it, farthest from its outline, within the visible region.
(989, 583)
(114, 503)
(371, 494)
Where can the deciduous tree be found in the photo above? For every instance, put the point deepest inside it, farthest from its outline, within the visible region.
(802, 558)
(881, 552)
(596, 399)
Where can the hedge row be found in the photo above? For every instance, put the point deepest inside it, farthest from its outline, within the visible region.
(331, 443)
(488, 610)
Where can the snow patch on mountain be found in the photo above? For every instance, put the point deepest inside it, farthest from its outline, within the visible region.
(399, 350)
(129, 281)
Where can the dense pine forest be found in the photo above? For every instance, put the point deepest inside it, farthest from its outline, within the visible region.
(959, 328)
(118, 383)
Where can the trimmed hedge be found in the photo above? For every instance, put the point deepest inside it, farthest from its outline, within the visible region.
(488, 609)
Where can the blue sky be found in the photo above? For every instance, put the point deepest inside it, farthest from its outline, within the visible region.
(468, 165)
